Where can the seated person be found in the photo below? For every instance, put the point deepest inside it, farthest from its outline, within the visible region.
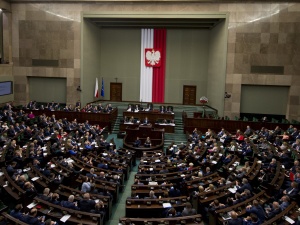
(137, 108)
(131, 120)
(129, 109)
(188, 210)
(87, 204)
(146, 121)
(149, 107)
(151, 195)
(31, 218)
(70, 204)
(137, 142)
(273, 210)
(170, 109)
(235, 220)
(147, 142)
(17, 212)
(162, 109)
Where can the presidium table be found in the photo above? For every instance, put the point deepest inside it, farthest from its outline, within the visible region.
(156, 119)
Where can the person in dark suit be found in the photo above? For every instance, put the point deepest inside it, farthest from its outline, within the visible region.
(174, 192)
(11, 131)
(32, 218)
(188, 210)
(273, 211)
(46, 195)
(137, 142)
(245, 185)
(147, 143)
(292, 191)
(70, 204)
(234, 219)
(11, 168)
(146, 121)
(256, 209)
(86, 204)
(252, 220)
(16, 212)
(54, 199)
(162, 109)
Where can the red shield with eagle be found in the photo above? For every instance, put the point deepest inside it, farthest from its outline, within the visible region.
(152, 57)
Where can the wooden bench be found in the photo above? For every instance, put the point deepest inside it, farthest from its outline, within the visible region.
(77, 216)
(188, 220)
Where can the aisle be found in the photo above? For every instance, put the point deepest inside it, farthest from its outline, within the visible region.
(119, 208)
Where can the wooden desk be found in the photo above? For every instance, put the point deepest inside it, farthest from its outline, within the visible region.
(156, 137)
(188, 220)
(77, 216)
(103, 119)
(152, 116)
(146, 208)
(230, 125)
(169, 128)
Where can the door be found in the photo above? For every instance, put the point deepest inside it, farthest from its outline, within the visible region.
(189, 94)
(116, 92)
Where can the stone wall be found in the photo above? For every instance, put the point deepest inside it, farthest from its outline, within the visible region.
(262, 34)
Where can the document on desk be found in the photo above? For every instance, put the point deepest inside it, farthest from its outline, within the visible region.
(167, 205)
(35, 178)
(65, 218)
(232, 190)
(288, 219)
(30, 206)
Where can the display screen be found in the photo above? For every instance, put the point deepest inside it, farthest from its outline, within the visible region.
(6, 88)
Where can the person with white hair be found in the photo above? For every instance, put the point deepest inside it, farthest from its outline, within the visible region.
(70, 204)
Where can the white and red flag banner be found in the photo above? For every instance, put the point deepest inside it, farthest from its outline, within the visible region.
(153, 64)
(96, 94)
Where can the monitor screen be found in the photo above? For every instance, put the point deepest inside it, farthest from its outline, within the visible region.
(6, 88)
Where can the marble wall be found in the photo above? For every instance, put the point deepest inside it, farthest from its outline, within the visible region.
(259, 34)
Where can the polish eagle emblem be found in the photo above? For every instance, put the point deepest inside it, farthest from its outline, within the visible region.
(152, 57)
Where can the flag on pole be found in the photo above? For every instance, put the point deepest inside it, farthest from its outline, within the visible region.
(96, 95)
(102, 88)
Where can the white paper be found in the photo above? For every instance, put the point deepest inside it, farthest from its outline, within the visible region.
(167, 205)
(35, 178)
(65, 218)
(288, 219)
(26, 169)
(232, 190)
(52, 165)
(30, 206)
(157, 160)
(214, 162)
(96, 201)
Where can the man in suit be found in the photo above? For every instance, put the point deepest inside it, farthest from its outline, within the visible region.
(292, 191)
(188, 210)
(137, 142)
(46, 195)
(245, 185)
(162, 109)
(86, 204)
(257, 210)
(70, 204)
(32, 218)
(16, 212)
(234, 219)
(273, 211)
